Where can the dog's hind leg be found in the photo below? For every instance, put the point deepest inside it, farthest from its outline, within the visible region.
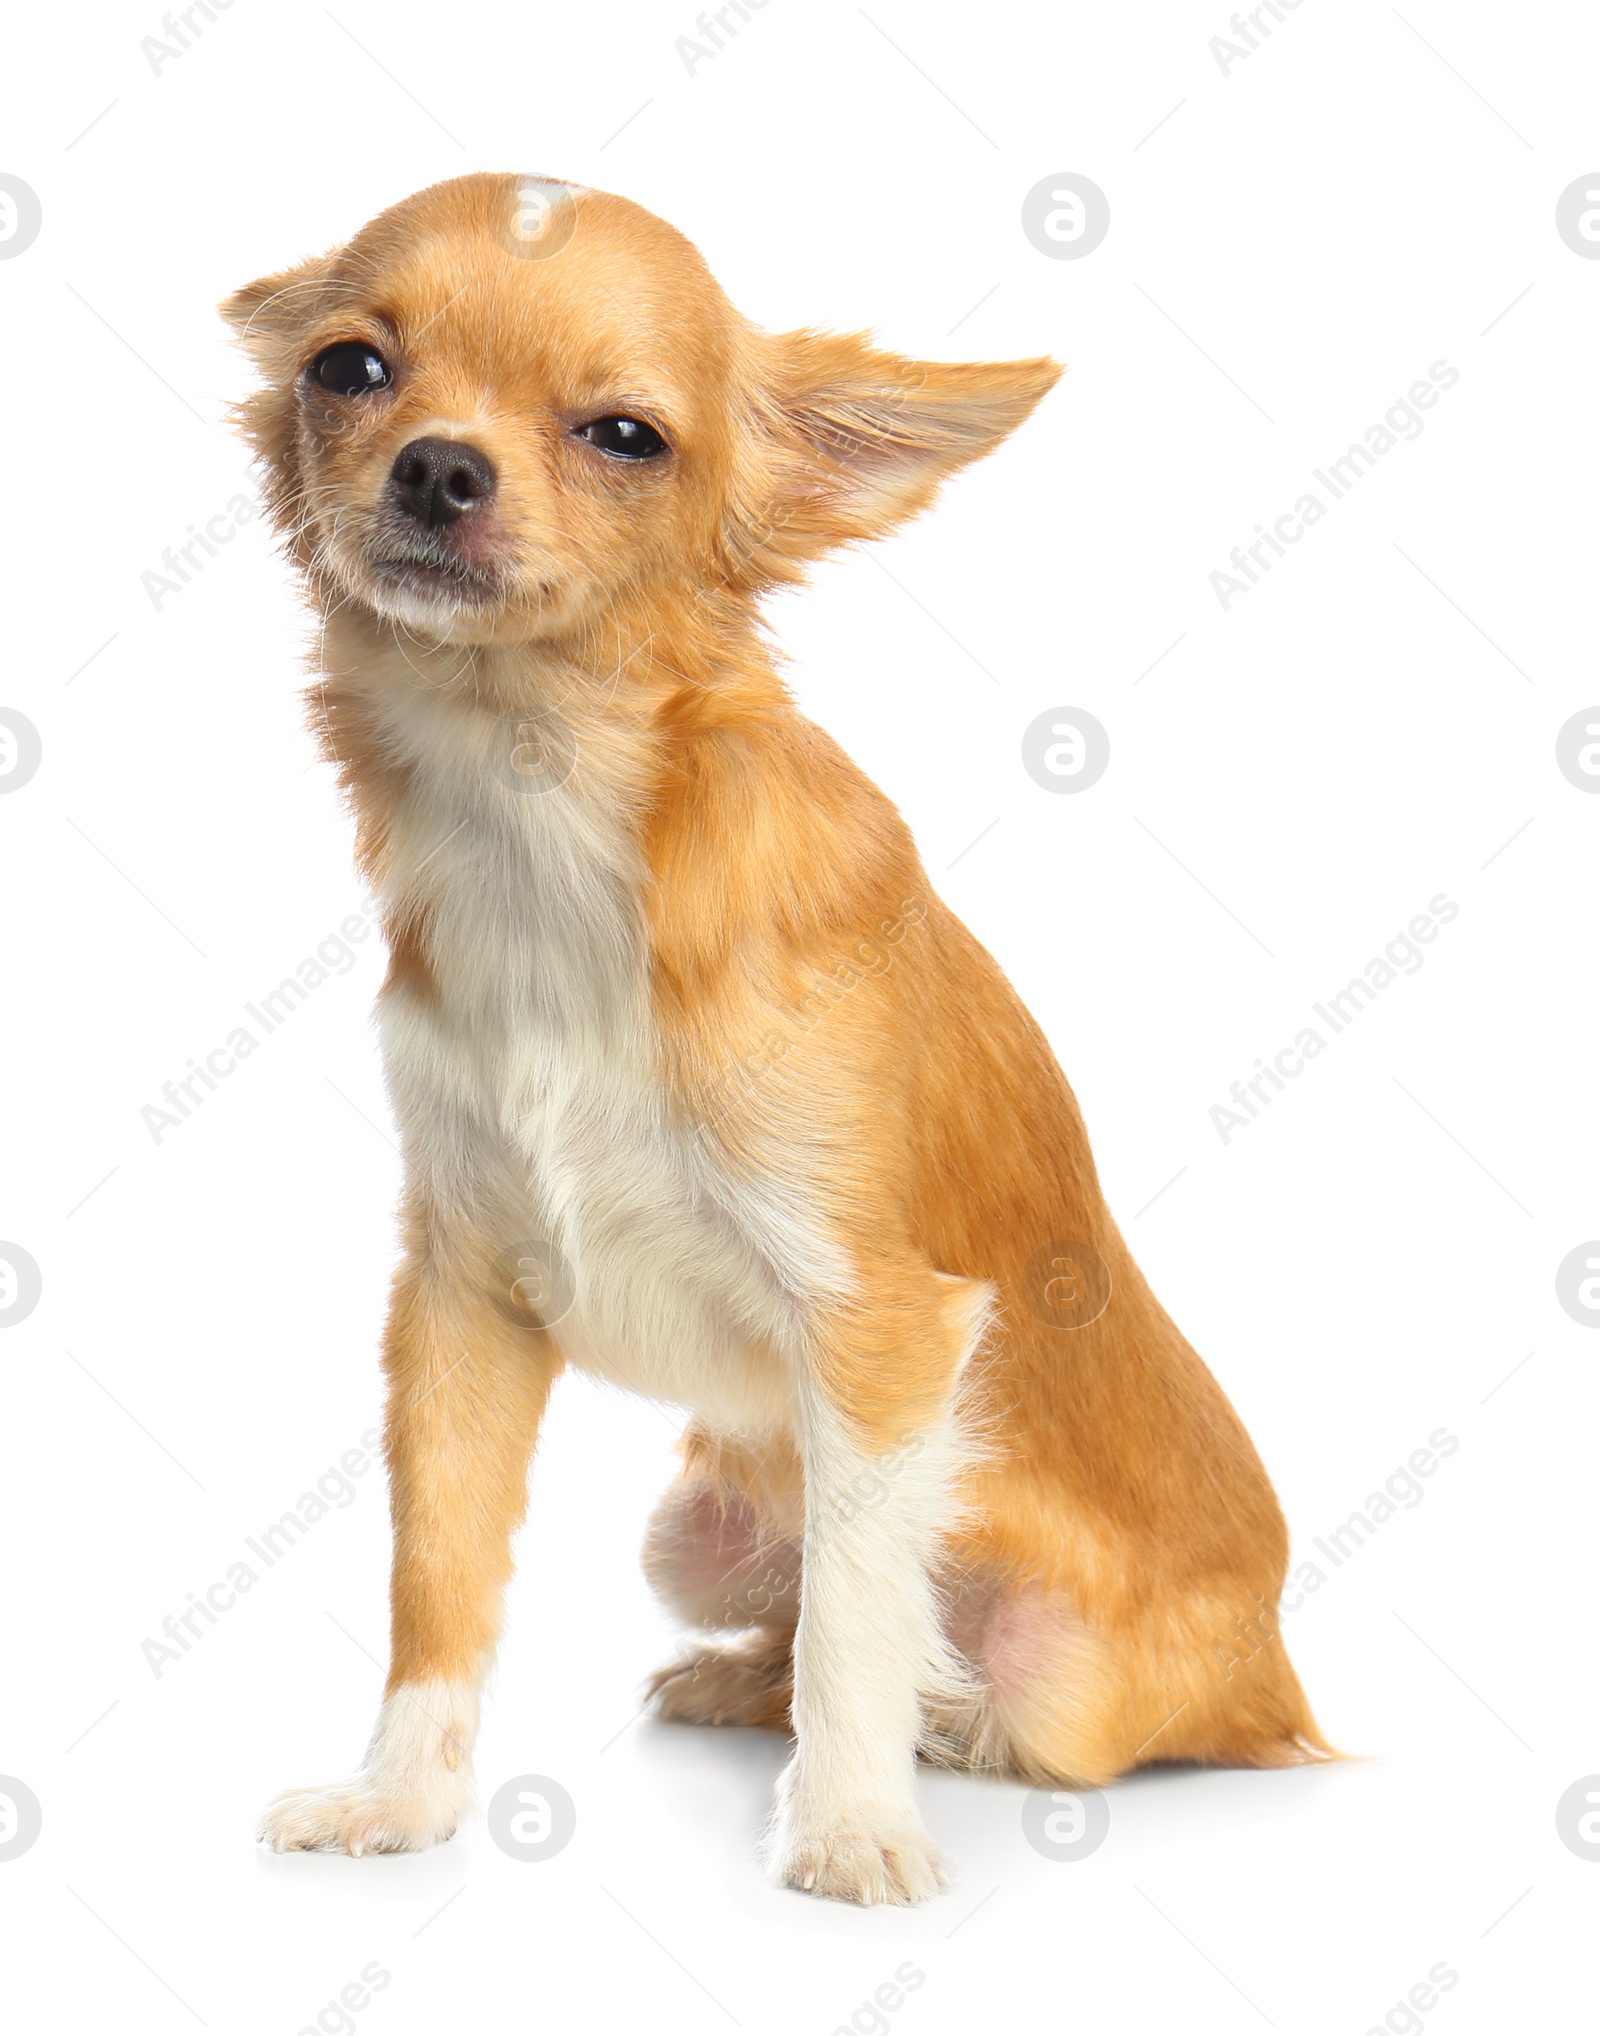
(1059, 1702)
(723, 1551)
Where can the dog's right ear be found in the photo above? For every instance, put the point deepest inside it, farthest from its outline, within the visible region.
(275, 310)
(851, 441)
(269, 318)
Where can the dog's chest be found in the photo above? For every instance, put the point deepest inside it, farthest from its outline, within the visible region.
(529, 1084)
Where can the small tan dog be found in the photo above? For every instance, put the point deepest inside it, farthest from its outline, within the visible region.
(702, 1088)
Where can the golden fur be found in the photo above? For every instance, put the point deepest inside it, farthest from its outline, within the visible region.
(885, 1125)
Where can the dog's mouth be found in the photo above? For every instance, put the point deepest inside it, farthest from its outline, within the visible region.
(438, 578)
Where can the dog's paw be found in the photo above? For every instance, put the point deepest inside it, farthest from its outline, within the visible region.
(413, 1791)
(737, 1684)
(363, 1815)
(859, 1864)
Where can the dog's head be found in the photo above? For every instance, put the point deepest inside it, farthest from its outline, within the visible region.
(511, 407)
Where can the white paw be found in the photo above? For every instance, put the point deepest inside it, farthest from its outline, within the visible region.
(413, 1791)
(362, 1815)
(865, 1861)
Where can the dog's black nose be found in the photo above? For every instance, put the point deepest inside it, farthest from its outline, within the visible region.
(438, 479)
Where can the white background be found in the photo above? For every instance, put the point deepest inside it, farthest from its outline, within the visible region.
(1294, 780)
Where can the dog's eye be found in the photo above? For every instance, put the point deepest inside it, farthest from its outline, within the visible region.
(350, 369)
(625, 438)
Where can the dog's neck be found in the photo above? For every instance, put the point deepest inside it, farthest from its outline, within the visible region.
(607, 717)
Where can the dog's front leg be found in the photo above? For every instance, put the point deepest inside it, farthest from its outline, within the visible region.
(467, 1388)
(881, 1451)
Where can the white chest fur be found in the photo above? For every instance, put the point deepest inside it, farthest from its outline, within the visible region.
(529, 1088)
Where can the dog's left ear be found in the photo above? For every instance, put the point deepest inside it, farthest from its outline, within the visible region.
(857, 440)
(275, 310)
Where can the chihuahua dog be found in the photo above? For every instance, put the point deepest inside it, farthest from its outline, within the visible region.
(702, 1089)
